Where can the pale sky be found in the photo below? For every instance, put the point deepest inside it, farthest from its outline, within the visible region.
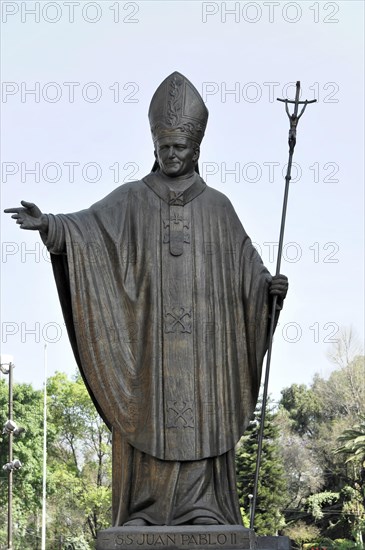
(93, 68)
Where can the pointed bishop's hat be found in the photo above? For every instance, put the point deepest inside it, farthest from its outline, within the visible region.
(177, 109)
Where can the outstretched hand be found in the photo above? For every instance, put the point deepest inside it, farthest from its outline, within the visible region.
(279, 286)
(29, 216)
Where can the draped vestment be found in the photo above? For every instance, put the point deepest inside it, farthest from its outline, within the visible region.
(167, 307)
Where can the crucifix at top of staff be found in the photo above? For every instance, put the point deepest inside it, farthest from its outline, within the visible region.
(294, 119)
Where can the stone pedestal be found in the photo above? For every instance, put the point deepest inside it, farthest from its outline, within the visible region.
(195, 537)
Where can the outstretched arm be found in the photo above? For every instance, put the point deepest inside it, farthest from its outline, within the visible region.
(29, 216)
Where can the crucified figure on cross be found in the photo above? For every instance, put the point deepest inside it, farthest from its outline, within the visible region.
(294, 117)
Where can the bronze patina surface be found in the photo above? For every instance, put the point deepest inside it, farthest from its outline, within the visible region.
(167, 306)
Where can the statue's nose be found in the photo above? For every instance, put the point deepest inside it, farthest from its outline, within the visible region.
(171, 152)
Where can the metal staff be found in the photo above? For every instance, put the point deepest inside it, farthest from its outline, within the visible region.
(293, 118)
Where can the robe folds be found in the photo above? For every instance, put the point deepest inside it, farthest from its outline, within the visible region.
(166, 304)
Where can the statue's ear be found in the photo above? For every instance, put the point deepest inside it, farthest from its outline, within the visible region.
(196, 154)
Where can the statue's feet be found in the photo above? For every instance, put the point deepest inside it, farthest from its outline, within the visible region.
(138, 522)
(203, 520)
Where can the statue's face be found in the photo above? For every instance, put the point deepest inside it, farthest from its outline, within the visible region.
(176, 156)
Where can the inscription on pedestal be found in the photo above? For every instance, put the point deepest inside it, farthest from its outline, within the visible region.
(170, 538)
(199, 539)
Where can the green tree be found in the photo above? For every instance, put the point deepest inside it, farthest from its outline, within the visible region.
(27, 482)
(303, 407)
(303, 473)
(78, 467)
(272, 484)
(79, 462)
(312, 419)
(353, 447)
(301, 533)
(342, 397)
(353, 440)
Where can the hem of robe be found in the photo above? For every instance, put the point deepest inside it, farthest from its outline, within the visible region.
(175, 492)
(185, 520)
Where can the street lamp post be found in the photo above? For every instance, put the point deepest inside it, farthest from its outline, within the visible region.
(11, 429)
(10, 482)
(44, 490)
(250, 497)
(7, 368)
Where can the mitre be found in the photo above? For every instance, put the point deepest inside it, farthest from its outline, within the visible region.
(177, 109)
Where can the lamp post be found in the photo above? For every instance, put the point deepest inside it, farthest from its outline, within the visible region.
(7, 368)
(250, 497)
(44, 488)
(11, 429)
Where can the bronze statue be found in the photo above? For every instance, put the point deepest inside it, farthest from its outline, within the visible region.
(167, 306)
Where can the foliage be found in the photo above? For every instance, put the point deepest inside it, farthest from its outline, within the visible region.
(328, 544)
(326, 479)
(315, 503)
(353, 440)
(302, 471)
(28, 448)
(78, 467)
(80, 460)
(353, 448)
(303, 407)
(318, 433)
(272, 486)
(300, 533)
(345, 544)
